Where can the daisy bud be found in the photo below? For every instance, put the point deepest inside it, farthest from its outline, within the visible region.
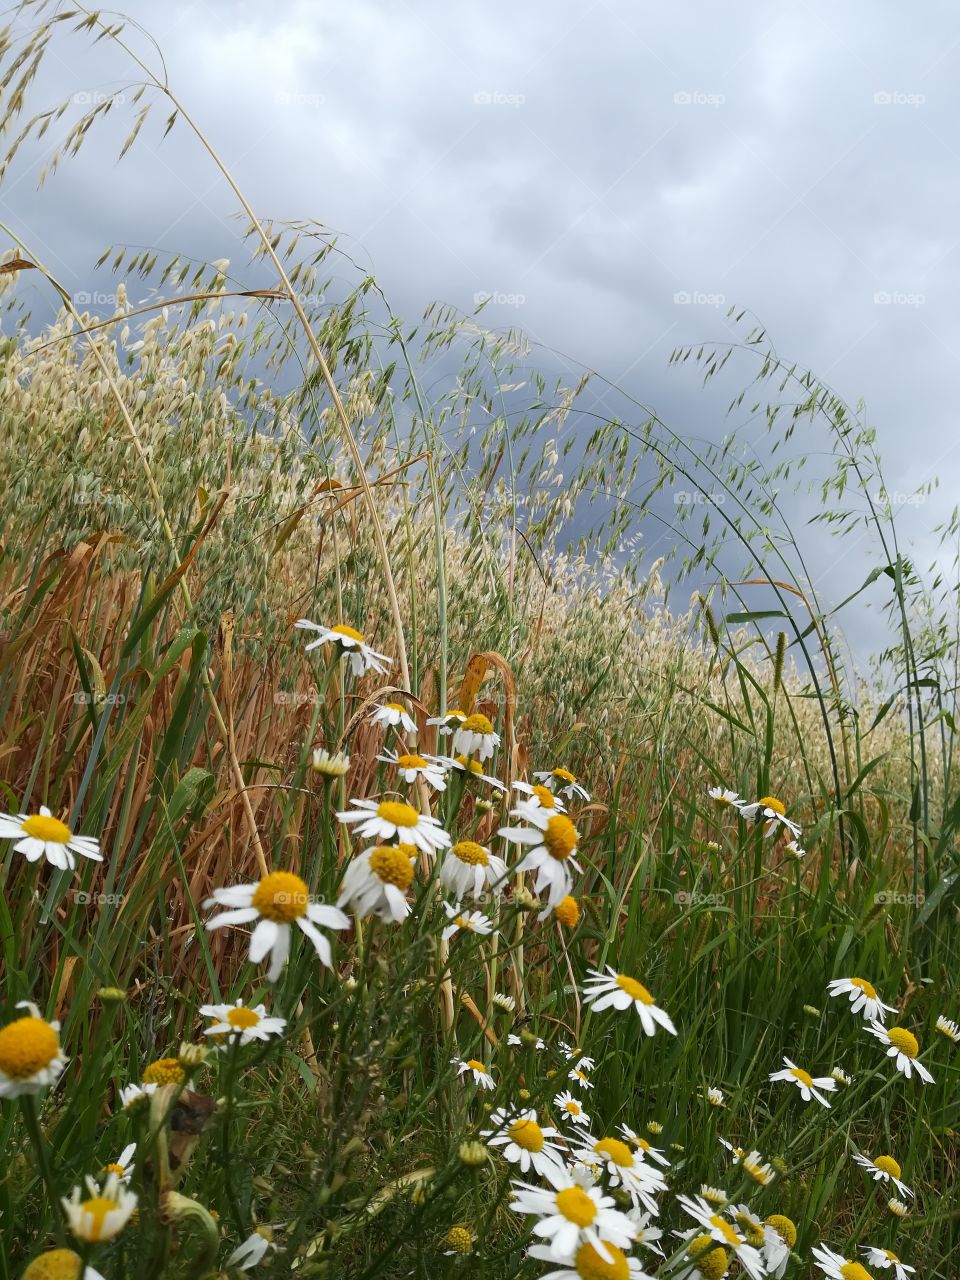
(192, 1056)
(473, 1154)
(525, 900)
(175, 1207)
(112, 995)
(811, 1011)
(459, 1239)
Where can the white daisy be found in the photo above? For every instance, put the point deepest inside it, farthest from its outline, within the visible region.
(705, 1259)
(31, 1059)
(394, 715)
(469, 921)
(123, 1165)
(278, 901)
(330, 766)
(238, 1022)
(715, 1097)
(724, 797)
(469, 868)
(41, 835)
(394, 820)
(473, 769)
(643, 1147)
(647, 1235)
(779, 1237)
(253, 1250)
(449, 722)
(808, 1085)
(350, 643)
(533, 1042)
(562, 782)
(571, 1109)
(841, 1076)
(792, 850)
(863, 998)
(474, 736)
(131, 1094)
(770, 811)
(571, 1212)
(103, 1214)
(624, 1167)
(619, 991)
(884, 1169)
(586, 1260)
(524, 1141)
(719, 1229)
(948, 1028)
(552, 840)
(580, 1077)
(412, 767)
(540, 797)
(376, 882)
(476, 1068)
(886, 1258)
(904, 1047)
(834, 1265)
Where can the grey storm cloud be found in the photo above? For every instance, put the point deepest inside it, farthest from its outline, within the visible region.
(615, 174)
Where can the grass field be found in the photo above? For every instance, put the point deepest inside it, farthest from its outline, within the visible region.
(593, 1008)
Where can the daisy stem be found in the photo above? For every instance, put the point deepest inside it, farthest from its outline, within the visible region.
(229, 1082)
(28, 1107)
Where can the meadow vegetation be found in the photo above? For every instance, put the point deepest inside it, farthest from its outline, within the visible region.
(568, 931)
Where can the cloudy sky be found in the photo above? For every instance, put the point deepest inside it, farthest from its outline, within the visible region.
(616, 174)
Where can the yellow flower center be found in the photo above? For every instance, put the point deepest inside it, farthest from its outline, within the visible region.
(635, 990)
(412, 762)
(590, 1265)
(725, 1229)
(888, 1165)
(527, 1134)
(118, 1169)
(475, 855)
(756, 1171)
(576, 1206)
(27, 1045)
(545, 796)
(49, 829)
(854, 1271)
(241, 1018)
(343, 630)
(567, 911)
(564, 775)
(475, 1065)
(866, 987)
(477, 724)
(459, 1239)
(784, 1227)
(771, 802)
(391, 863)
(56, 1264)
(615, 1151)
(97, 1207)
(904, 1040)
(560, 837)
(472, 766)
(804, 1077)
(397, 813)
(572, 1108)
(281, 896)
(752, 1230)
(394, 706)
(710, 1259)
(164, 1071)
